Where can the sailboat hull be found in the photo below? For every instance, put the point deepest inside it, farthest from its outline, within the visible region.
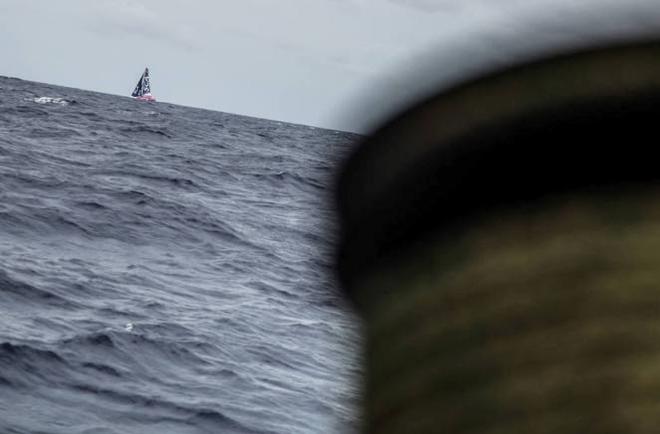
(147, 97)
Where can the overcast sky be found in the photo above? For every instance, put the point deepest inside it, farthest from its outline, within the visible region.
(332, 63)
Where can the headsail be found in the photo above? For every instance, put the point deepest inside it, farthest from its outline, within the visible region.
(144, 86)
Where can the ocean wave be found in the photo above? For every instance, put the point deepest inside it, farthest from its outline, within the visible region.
(145, 129)
(149, 178)
(214, 420)
(136, 347)
(16, 291)
(29, 110)
(23, 366)
(102, 369)
(286, 179)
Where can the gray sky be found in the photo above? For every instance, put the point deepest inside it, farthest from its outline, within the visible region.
(332, 63)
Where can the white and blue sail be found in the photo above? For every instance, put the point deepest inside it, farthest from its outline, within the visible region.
(142, 90)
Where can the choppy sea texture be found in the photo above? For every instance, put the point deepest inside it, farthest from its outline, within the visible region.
(168, 270)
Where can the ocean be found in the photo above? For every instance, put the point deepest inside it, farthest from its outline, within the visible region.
(166, 269)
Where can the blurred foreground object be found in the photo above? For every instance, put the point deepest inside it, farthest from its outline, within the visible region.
(502, 242)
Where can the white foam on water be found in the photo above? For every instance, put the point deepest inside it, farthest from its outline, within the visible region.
(50, 100)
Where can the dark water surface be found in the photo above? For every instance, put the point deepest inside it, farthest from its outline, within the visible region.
(167, 270)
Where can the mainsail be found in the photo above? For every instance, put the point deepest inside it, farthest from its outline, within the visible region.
(144, 86)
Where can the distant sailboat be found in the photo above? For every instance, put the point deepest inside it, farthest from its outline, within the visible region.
(143, 88)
